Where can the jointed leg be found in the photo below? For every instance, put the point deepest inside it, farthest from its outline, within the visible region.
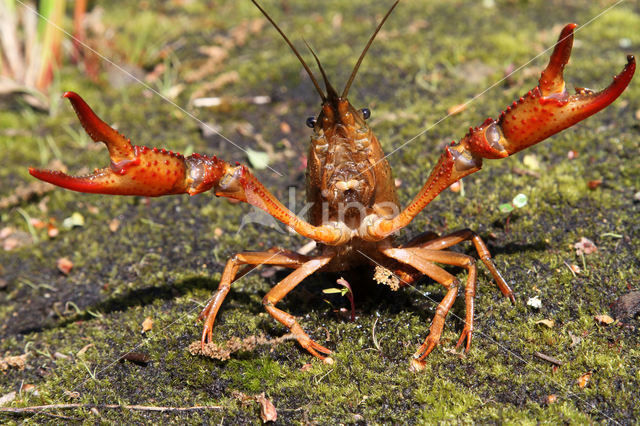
(281, 290)
(420, 239)
(457, 237)
(252, 260)
(467, 262)
(422, 259)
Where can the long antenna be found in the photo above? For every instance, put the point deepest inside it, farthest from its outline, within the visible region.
(364, 52)
(304, 64)
(331, 92)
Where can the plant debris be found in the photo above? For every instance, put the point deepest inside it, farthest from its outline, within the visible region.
(12, 239)
(585, 246)
(584, 379)
(593, 184)
(17, 361)
(547, 322)
(139, 358)
(604, 319)
(147, 325)
(64, 265)
(549, 358)
(235, 344)
(268, 411)
(27, 192)
(385, 277)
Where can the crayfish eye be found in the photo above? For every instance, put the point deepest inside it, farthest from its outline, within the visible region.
(366, 113)
(311, 122)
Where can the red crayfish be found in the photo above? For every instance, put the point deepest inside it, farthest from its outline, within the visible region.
(354, 210)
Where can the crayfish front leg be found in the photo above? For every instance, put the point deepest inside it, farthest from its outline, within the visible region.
(232, 273)
(138, 170)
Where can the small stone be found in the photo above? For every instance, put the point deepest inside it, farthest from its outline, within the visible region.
(534, 302)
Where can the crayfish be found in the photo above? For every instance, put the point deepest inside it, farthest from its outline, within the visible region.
(354, 210)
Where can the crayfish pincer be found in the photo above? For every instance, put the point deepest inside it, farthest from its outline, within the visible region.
(354, 211)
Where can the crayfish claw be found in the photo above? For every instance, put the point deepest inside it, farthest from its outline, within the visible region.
(551, 80)
(549, 108)
(120, 148)
(134, 170)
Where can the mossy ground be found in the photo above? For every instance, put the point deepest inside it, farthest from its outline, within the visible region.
(165, 259)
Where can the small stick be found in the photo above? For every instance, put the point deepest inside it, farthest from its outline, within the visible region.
(548, 358)
(34, 409)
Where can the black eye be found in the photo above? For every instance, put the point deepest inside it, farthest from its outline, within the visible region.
(366, 113)
(311, 122)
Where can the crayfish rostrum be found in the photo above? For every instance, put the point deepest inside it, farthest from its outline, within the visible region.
(354, 210)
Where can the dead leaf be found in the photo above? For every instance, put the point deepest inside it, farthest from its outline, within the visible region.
(5, 232)
(71, 395)
(584, 379)
(285, 128)
(52, 230)
(29, 388)
(585, 246)
(84, 349)
(147, 325)
(114, 224)
(552, 398)
(64, 265)
(604, 319)
(37, 223)
(17, 361)
(593, 184)
(547, 322)
(27, 192)
(139, 358)
(12, 239)
(268, 411)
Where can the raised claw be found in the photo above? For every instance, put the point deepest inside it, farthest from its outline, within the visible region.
(546, 109)
(135, 170)
(549, 108)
